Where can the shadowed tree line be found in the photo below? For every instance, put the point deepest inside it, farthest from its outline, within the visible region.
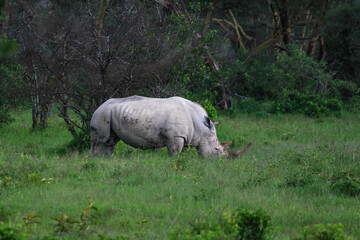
(73, 55)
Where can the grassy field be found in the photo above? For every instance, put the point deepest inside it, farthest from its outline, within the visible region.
(300, 171)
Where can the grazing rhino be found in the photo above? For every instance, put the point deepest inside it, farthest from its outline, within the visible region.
(143, 122)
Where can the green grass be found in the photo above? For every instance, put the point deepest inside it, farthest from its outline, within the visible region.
(298, 171)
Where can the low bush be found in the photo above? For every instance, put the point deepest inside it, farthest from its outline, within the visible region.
(8, 232)
(210, 109)
(310, 105)
(252, 225)
(5, 117)
(248, 105)
(239, 224)
(345, 184)
(81, 142)
(324, 232)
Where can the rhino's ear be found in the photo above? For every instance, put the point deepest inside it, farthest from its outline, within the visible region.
(207, 122)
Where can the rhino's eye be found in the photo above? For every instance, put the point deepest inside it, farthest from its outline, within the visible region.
(216, 148)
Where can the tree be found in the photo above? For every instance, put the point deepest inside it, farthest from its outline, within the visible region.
(342, 31)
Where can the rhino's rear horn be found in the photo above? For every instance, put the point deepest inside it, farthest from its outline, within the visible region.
(216, 123)
(226, 145)
(239, 153)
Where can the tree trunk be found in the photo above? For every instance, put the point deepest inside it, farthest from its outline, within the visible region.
(64, 115)
(283, 8)
(43, 115)
(35, 110)
(6, 16)
(306, 25)
(317, 30)
(35, 98)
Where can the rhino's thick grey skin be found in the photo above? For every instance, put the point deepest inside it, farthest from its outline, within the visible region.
(143, 122)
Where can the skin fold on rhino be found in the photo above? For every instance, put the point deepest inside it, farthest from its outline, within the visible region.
(146, 123)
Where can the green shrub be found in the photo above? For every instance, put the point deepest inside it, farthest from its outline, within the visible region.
(252, 225)
(204, 230)
(345, 184)
(12, 83)
(5, 213)
(295, 83)
(5, 117)
(277, 80)
(210, 109)
(301, 167)
(88, 166)
(345, 90)
(10, 232)
(310, 105)
(8, 47)
(10, 89)
(239, 224)
(299, 177)
(248, 105)
(324, 232)
(81, 142)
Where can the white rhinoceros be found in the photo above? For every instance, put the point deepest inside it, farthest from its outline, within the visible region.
(143, 122)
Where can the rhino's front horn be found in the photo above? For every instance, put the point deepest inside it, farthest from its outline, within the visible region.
(226, 145)
(239, 153)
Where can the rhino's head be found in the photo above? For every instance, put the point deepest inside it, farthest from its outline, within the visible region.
(210, 145)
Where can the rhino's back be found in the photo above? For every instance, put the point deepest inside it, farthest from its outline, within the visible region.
(149, 122)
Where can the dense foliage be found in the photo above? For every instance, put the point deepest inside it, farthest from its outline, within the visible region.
(11, 75)
(302, 56)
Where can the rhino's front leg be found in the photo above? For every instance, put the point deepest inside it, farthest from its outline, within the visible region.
(108, 150)
(109, 146)
(95, 148)
(175, 145)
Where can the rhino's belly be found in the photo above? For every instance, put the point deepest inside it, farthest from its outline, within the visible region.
(140, 137)
(143, 143)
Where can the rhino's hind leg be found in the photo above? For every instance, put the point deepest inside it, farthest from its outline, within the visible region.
(175, 146)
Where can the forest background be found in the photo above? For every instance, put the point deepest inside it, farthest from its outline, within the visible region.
(298, 56)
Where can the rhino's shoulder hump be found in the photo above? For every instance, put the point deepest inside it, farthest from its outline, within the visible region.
(125, 99)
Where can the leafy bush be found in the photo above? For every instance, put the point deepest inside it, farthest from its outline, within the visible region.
(295, 83)
(310, 105)
(290, 73)
(324, 232)
(204, 230)
(5, 117)
(299, 177)
(210, 109)
(239, 224)
(11, 81)
(10, 232)
(252, 225)
(8, 47)
(301, 167)
(345, 90)
(346, 184)
(248, 105)
(81, 142)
